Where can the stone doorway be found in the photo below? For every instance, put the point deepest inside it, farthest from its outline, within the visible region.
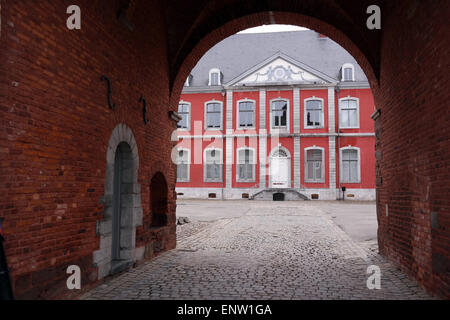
(122, 200)
(280, 171)
(122, 206)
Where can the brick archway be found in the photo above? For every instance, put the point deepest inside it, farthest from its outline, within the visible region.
(201, 40)
(409, 131)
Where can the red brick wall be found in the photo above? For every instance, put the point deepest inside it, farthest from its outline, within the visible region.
(413, 145)
(55, 125)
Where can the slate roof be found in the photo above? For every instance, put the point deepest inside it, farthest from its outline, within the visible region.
(240, 52)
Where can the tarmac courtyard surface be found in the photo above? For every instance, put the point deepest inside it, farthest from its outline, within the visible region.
(267, 250)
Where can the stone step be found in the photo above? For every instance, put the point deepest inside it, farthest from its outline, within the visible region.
(278, 194)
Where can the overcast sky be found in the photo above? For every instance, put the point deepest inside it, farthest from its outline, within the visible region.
(273, 28)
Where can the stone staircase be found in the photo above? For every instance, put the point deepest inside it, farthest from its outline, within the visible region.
(274, 194)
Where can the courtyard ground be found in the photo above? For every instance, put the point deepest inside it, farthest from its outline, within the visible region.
(266, 250)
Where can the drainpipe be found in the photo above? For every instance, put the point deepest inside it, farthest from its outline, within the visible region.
(338, 154)
(223, 92)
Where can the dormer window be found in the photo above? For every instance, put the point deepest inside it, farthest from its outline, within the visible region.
(348, 72)
(188, 81)
(214, 77)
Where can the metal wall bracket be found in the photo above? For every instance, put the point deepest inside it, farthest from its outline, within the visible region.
(174, 116)
(110, 104)
(144, 109)
(376, 114)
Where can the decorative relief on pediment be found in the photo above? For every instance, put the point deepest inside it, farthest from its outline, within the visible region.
(280, 70)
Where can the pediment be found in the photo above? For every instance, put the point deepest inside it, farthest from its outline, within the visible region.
(281, 70)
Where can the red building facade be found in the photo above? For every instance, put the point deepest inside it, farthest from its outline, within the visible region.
(280, 126)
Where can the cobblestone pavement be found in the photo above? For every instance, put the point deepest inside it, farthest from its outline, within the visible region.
(275, 251)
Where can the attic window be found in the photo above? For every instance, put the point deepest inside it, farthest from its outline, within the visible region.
(348, 72)
(188, 81)
(214, 77)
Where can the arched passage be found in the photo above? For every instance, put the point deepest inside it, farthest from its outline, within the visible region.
(201, 40)
(406, 140)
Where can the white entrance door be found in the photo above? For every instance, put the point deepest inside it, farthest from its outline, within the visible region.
(279, 172)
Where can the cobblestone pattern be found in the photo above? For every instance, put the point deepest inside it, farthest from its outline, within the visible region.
(268, 255)
(189, 229)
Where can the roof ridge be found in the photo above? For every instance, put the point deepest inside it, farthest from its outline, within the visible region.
(241, 52)
(271, 32)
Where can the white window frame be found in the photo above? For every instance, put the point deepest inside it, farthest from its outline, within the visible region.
(206, 114)
(322, 120)
(254, 114)
(345, 66)
(205, 179)
(280, 129)
(306, 165)
(188, 164)
(189, 116)
(357, 112)
(253, 163)
(341, 164)
(214, 70)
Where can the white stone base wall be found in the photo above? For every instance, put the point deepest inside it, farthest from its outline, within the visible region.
(236, 193)
(324, 194)
(358, 194)
(199, 193)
